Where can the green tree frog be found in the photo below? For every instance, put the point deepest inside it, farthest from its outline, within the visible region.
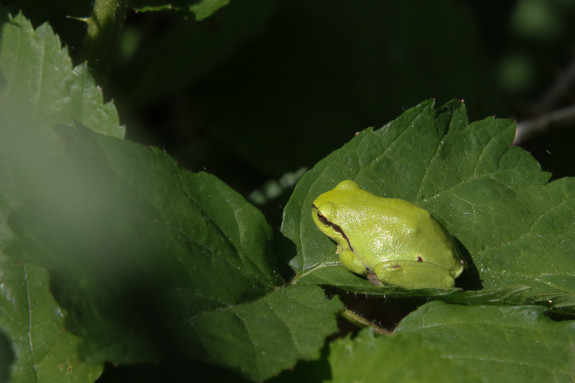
(386, 239)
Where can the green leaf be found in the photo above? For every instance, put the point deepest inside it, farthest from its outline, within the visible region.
(202, 9)
(371, 358)
(153, 262)
(443, 342)
(39, 87)
(43, 87)
(492, 197)
(510, 344)
(261, 338)
(34, 323)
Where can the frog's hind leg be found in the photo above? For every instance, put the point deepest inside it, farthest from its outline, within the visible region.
(413, 275)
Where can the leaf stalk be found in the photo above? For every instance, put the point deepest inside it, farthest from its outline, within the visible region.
(104, 26)
(360, 321)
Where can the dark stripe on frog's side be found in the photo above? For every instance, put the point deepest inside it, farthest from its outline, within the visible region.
(335, 227)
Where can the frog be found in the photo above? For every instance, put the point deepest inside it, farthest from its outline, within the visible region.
(388, 240)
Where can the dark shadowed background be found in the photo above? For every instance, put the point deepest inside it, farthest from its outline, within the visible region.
(264, 87)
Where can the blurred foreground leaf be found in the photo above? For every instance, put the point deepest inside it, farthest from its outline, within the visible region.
(154, 263)
(38, 88)
(41, 84)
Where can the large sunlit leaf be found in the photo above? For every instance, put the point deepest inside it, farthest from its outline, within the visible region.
(516, 228)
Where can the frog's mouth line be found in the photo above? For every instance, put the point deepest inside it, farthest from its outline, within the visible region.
(335, 227)
(339, 230)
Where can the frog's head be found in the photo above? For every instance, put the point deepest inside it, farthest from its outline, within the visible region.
(326, 209)
(321, 213)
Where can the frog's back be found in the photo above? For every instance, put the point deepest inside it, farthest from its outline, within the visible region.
(394, 229)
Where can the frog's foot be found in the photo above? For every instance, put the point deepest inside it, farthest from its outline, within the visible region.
(413, 275)
(351, 262)
(372, 277)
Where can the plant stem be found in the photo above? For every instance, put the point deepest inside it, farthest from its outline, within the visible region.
(362, 322)
(104, 25)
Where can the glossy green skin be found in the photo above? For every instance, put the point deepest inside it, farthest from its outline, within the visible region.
(389, 240)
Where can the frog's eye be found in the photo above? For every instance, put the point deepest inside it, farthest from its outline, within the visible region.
(322, 219)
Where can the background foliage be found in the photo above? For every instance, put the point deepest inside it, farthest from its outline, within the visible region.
(256, 77)
(96, 231)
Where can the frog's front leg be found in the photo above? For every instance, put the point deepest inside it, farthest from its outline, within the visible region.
(351, 262)
(413, 275)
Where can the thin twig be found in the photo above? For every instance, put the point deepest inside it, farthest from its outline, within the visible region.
(557, 119)
(360, 321)
(557, 91)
